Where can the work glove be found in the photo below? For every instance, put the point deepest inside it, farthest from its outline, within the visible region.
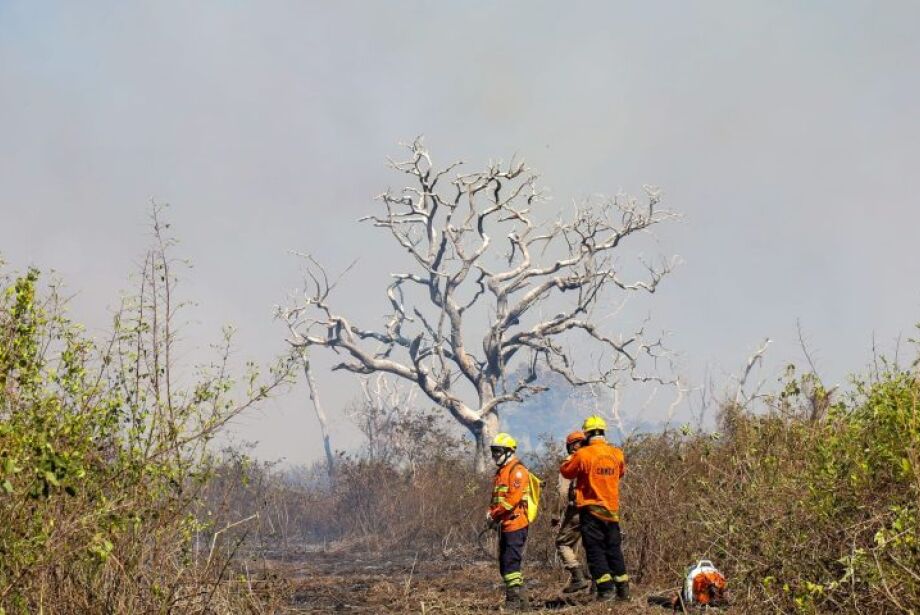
(490, 522)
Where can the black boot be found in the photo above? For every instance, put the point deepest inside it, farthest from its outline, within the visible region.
(622, 591)
(578, 581)
(605, 591)
(515, 600)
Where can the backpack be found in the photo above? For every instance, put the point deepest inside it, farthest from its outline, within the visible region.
(704, 585)
(532, 494)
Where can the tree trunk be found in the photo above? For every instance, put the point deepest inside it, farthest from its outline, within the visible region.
(483, 432)
(320, 415)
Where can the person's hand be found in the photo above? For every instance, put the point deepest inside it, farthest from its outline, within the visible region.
(490, 522)
(554, 522)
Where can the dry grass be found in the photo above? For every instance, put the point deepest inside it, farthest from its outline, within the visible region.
(360, 582)
(805, 512)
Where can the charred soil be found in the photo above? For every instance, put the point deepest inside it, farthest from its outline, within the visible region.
(354, 582)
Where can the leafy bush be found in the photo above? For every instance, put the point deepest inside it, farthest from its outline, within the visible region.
(103, 456)
(808, 512)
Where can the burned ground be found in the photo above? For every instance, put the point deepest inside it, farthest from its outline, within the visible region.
(354, 582)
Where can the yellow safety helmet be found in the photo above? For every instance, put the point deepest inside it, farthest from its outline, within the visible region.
(594, 423)
(503, 440)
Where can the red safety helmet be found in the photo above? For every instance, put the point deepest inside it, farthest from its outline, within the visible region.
(575, 436)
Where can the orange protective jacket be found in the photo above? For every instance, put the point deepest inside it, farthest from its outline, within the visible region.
(597, 468)
(508, 503)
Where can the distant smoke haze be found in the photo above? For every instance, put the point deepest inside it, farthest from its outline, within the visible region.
(786, 134)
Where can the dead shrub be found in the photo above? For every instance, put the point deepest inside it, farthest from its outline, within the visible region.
(805, 512)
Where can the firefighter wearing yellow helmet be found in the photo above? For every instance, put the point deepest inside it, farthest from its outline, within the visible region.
(594, 423)
(597, 469)
(508, 511)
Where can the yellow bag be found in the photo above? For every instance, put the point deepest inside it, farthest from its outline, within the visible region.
(532, 495)
(534, 491)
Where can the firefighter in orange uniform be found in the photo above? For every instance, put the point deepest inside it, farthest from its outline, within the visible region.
(597, 469)
(509, 511)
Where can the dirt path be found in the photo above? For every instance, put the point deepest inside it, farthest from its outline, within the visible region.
(348, 582)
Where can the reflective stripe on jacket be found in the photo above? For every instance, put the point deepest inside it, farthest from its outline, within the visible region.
(508, 503)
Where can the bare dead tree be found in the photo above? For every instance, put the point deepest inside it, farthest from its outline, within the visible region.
(741, 398)
(477, 243)
(384, 404)
(398, 430)
(318, 410)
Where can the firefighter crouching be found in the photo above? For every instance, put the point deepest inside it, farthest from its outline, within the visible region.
(569, 532)
(597, 468)
(509, 511)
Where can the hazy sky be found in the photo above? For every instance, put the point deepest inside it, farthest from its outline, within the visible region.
(785, 132)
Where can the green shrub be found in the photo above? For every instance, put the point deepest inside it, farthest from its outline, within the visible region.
(815, 513)
(103, 456)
